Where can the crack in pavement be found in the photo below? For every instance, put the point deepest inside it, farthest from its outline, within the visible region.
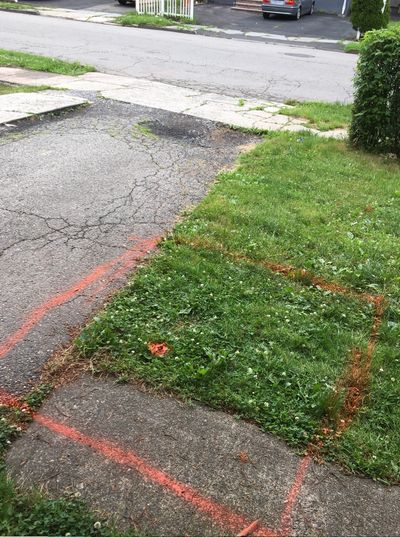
(74, 192)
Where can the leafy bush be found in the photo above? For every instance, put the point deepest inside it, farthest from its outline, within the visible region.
(367, 15)
(376, 111)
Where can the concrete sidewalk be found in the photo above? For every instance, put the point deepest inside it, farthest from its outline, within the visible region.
(230, 111)
(166, 468)
(16, 106)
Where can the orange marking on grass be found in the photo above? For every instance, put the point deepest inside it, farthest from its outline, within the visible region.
(129, 257)
(12, 401)
(158, 349)
(379, 302)
(356, 378)
(289, 271)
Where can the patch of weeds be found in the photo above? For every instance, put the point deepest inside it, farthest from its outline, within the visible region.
(11, 58)
(353, 48)
(241, 102)
(322, 116)
(13, 88)
(31, 513)
(249, 130)
(259, 107)
(11, 421)
(142, 129)
(37, 396)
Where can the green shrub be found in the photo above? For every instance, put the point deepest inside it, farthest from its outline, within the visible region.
(367, 15)
(376, 111)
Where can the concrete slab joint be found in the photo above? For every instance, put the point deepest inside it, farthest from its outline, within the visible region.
(231, 111)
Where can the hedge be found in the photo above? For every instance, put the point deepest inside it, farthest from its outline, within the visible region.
(367, 15)
(376, 112)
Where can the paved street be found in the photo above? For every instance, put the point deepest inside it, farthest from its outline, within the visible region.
(322, 25)
(232, 67)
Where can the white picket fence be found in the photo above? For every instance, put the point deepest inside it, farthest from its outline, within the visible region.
(172, 8)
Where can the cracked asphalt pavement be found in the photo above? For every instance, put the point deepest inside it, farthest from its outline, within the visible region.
(227, 66)
(78, 192)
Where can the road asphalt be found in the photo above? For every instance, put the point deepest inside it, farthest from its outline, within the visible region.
(321, 25)
(232, 67)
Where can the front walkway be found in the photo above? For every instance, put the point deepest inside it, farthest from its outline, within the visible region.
(166, 468)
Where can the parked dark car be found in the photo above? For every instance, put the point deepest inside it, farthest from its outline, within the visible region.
(294, 8)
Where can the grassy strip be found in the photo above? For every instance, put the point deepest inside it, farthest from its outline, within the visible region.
(10, 58)
(134, 19)
(355, 46)
(321, 116)
(264, 346)
(11, 88)
(31, 512)
(16, 6)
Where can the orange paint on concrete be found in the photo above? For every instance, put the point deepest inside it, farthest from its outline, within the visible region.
(250, 529)
(220, 514)
(128, 258)
(136, 253)
(293, 493)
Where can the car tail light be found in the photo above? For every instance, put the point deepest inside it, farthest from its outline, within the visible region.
(266, 1)
(290, 2)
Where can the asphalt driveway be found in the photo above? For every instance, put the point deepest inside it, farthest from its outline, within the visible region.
(83, 199)
(321, 24)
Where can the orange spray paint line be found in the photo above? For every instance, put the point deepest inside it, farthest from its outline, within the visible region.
(38, 313)
(220, 514)
(136, 253)
(285, 527)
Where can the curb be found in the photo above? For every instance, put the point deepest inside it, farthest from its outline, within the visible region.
(151, 27)
(42, 115)
(204, 31)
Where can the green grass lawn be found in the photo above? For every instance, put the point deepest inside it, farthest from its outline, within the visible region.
(11, 58)
(353, 47)
(17, 6)
(263, 346)
(322, 116)
(135, 19)
(12, 88)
